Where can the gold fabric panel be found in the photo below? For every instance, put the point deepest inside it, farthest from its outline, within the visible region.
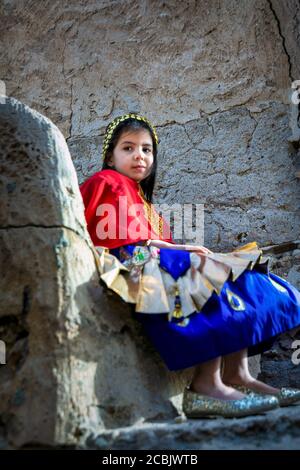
(153, 289)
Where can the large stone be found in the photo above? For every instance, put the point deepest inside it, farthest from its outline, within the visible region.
(76, 357)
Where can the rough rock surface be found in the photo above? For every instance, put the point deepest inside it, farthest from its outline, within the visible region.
(65, 339)
(276, 430)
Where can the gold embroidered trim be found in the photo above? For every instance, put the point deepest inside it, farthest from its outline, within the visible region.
(154, 219)
(235, 300)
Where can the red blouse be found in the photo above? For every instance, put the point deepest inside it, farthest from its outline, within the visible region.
(116, 212)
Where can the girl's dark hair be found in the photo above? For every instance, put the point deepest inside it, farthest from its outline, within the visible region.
(132, 124)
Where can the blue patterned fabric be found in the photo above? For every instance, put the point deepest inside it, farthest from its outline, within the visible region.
(250, 312)
(175, 262)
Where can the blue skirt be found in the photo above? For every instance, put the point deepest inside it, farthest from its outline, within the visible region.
(271, 306)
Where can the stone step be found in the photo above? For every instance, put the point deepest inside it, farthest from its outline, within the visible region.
(276, 429)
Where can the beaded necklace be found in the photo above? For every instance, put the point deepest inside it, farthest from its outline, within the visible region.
(154, 219)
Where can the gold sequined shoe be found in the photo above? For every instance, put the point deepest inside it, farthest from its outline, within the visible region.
(286, 396)
(195, 405)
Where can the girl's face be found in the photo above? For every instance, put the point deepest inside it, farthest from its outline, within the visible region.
(133, 154)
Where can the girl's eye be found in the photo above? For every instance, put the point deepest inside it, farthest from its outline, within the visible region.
(146, 148)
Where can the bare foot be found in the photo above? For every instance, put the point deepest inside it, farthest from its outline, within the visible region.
(253, 384)
(220, 391)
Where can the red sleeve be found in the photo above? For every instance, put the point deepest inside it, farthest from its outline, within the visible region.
(101, 191)
(100, 195)
(95, 191)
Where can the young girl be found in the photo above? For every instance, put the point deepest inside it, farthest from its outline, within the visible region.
(199, 308)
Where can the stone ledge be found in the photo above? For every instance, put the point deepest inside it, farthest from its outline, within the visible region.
(277, 429)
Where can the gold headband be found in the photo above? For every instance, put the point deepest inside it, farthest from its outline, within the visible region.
(114, 124)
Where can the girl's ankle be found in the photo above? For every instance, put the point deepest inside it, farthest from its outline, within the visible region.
(204, 385)
(238, 380)
(219, 391)
(252, 384)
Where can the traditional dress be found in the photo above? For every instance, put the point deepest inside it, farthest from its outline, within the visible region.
(192, 307)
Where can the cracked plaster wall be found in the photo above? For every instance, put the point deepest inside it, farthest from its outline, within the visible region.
(214, 77)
